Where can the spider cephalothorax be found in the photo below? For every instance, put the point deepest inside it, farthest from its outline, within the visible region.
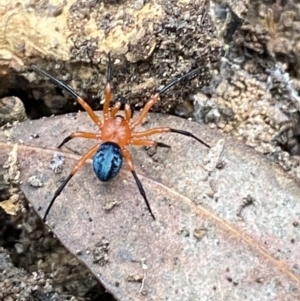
(115, 133)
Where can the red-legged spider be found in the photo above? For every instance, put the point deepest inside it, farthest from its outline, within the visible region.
(115, 132)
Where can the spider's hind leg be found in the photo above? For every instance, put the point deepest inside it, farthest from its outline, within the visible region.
(146, 142)
(128, 158)
(79, 164)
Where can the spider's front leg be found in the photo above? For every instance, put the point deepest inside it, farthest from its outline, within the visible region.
(156, 96)
(145, 110)
(128, 158)
(107, 92)
(84, 104)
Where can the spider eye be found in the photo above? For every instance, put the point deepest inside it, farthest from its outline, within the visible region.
(107, 161)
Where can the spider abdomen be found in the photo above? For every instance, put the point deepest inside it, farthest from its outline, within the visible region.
(107, 161)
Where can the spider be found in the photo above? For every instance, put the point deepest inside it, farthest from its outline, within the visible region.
(115, 133)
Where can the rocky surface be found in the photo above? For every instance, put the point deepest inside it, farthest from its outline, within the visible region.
(253, 94)
(151, 42)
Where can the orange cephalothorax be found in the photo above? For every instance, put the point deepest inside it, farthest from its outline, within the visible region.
(116, 129)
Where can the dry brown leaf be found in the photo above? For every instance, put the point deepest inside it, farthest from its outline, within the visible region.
(227, 223)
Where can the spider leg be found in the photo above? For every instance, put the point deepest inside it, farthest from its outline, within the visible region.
(156, 96)
(128, 158)
(59, 83)
(147, 142)
(145, 110)
(115, 109)
(165, 130)
(107, 92)
(79, 135)
(128, 112)
(79, 164)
